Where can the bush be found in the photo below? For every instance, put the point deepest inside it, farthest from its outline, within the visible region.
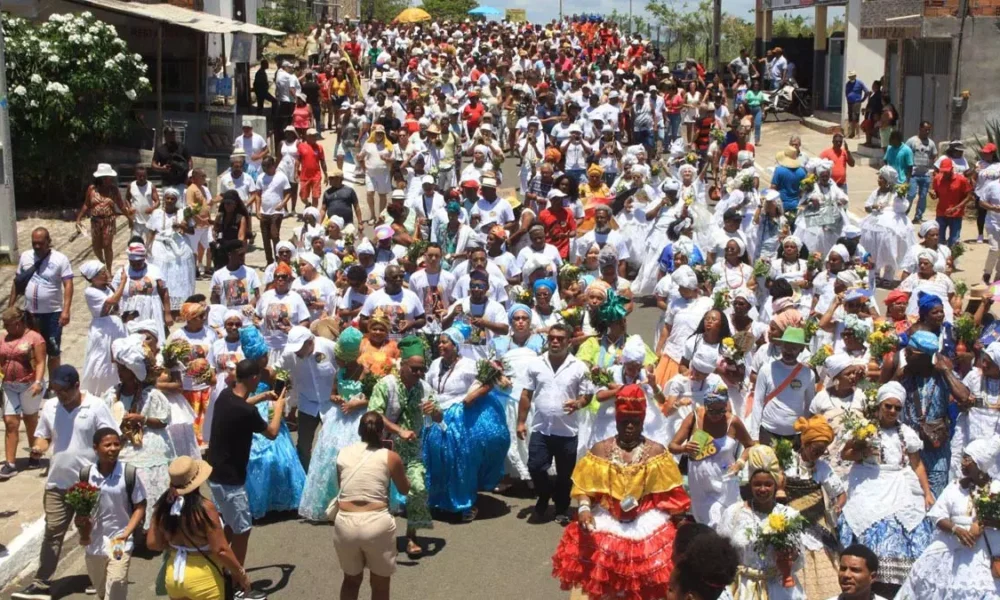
(72, 85)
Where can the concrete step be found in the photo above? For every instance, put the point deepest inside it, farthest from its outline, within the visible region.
(865, 155)
(817, 124)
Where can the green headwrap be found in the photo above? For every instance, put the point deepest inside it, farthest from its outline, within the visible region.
(612, 309)
(411, 346)
(348, 345)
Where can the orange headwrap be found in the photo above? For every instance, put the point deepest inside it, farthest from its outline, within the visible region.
(283, 269)
(192, 310)
(814, 429)
(552, 155)
(788, 318)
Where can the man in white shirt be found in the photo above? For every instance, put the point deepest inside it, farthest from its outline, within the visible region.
(557, 384)
(784, 389)
(433, 285)
(491, 210)
(311, 365)
(67, 425)
(486, 318)
(236, 178)
(403, 308)
(286, 88)
(778, 67)
(254, 147)
(271, 197)
(48, 292)
(576, 151)
(602, 235)
(234, 285)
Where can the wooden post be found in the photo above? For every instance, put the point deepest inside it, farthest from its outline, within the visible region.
(159, 79)
(198, 70)
(225, 99)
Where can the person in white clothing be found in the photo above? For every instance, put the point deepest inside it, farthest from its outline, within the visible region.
(274, 191)
(785, 389)
(144, 198)
(254, 147)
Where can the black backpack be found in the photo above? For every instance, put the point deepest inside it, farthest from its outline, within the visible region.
(129, 480)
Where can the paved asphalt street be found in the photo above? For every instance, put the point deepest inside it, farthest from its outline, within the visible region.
(498, 556)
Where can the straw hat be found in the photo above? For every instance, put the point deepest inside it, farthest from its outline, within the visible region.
(104, 170)
(789, 158)
(187, 474)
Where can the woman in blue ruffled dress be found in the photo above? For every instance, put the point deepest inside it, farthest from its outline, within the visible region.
(275, 476)
(340, 427)
(519, 348)
(467, 454)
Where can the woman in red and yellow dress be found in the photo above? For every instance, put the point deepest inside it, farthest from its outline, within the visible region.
(629, 492)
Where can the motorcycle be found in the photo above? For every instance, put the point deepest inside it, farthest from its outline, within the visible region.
(790, 98)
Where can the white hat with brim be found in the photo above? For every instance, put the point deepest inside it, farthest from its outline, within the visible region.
(297, 337)
(104, 170)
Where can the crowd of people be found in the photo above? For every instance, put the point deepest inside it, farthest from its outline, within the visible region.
(780, 434)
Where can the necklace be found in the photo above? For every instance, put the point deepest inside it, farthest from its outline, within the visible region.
(739, 282)
(636, 454)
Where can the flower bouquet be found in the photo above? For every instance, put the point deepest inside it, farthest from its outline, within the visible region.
(815, 262)
(961, 288)
(870, 391)
(569, 273)
(721, 300)
(689, 198)
(783, 536)
(957, 251)
(416, 250)
(176, 352)
(368, 381)
(808, 183)
(523, 296)
(882, 341)
(966, 333)
(200, 371)
(348, 240)
(810, 326)
(860, 429)
(600, 377)
(493, 371)
(731, 351)
(691, 158)
(705, 274)
(82, 498)
(784, 451)
(718, 135)
(986, 499)
(819, 357)
(572, 316)
(761, 268)
(862, 273)
(192, 211)
(656, 169)
(902, 189)
(745, 182)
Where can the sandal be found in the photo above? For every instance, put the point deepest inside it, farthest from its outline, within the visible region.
(413, 549)
(470, 515)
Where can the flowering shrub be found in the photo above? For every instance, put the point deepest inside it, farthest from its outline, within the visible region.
(71, 83)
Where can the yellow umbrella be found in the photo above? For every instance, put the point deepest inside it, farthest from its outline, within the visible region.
(413, 15)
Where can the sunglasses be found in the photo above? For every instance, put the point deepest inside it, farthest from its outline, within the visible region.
(477, 287)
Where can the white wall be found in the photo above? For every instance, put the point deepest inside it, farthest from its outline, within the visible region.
(224, 8)
(866, 57)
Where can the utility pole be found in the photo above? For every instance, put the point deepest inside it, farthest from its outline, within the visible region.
(630, 17)
(560, 11)
(8, 222)
(716, 35)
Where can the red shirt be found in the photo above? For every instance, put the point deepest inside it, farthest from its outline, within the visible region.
(950, 193)
(839, 171)
(354, 49)
(310, 158)
(474, 115)
(674, 104)
(17, 355)
(731, 152)
(559, 228)
(302, 117)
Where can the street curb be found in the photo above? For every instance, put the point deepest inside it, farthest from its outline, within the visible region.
(22, 553)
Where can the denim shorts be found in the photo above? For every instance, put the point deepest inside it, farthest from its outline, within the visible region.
(233, 505)
(48, 325)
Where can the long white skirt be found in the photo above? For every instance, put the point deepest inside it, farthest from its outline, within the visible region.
(99, 372)
(176, 261)
(887, 237)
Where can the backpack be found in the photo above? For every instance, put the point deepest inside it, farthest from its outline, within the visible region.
(129, 481)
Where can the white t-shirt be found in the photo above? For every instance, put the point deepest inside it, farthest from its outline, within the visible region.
(244, 185)
(551, 390)
(612, 237)
(252, 145)
(433, 289)
(284, 310)
(373, 157)
(401, 306)
(236, 289)
(479, 338)
(71, 437)
(779, 414)
(320, 290)
(142, 200)
(272, 191)
(201, 347)
(44, 293)
(497, 212)
(111, 515)
(313, 377)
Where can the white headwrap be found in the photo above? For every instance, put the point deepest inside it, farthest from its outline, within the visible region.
(634, 350)
(892, 389)
(310, 258)
(929, 254)
(91, 268)
(927, 227)
(836, 363)
(739, 244)
(311, 211)
(284, 245)
(851, 231)
(746, 294)
(823, 166)
(993, 351)
(537, 261)
(841, 250)
(680, 226)
(128, 352)
(670, 185)
(628, 161)
(684, 277)
(848, 277)
(705, 359)
(792, 239)
(889, 174)
(144, 326)
(338, 221)
(364, 247)
(984, 451)
(216, 315)
(484, 149)
(232, 314)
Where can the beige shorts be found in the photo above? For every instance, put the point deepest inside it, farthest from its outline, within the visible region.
(365, 539)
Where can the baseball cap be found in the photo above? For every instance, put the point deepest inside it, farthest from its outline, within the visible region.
(65, 376)
(989, 148)
(946, 165)
(312, 131)
(297, 337)
(489, 182)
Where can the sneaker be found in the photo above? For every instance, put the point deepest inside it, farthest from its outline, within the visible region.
(979, 240)
(34, 463)
(563, 519)
(32, 592)
(251, 595)
(917, 220)
(90, 591)
(7, 471)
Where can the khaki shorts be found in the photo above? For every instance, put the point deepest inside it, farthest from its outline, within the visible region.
(365, 539)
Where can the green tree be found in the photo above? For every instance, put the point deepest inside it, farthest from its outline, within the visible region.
(786, 26)
(837, 25)
(72, 85)
(449, 9)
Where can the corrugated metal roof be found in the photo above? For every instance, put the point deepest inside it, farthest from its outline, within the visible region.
(180, 17)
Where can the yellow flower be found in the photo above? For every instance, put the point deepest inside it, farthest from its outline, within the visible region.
(777, 522)
(729, 342)
(828, 349)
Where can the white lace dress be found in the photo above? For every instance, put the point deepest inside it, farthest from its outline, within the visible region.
(757, 576)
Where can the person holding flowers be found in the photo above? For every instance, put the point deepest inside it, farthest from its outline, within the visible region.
(929, 240)
(790, 266)
(767, 535)
(929, 278)
(352, 388)
(840, 398)
(887, 490)
(711, 437)
(886, 232)
(681, 319)
(959, 563)
(199, 340)
(605, 350)
(629, 492)
(378, 353)
(982, 419)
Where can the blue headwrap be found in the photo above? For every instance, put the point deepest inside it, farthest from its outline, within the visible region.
(925, 302)
(457, 333)
(924, 341)
(516, 308)
(545, 283)
(453, 206)
(253, 343)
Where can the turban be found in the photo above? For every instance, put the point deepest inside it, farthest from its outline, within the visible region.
(927, 302)
(823, 166)
(705, 359)
(814, 429)
(927, 227)
(993, 352)
(892, 389)
(848, 277)
(311, 212)
(857, 326)
(457, 334)
(192, 310)
(745, 294)
(781, 304)
(608, 257)
(481, 149)
(788, 318)
(630, 401)
(840, 250)
(364, 247)
(337, 220)
(924, 341)
(546, 283)
(91, 268)
(791, 239)
(284, 245)
(596, 170)
(453, 207)
(283, 269)
(130, 352)
(383, 233)
(253, 343)
(681, 225)
(635, 350)
(379, 318)
(598, 286)
(144, 326)
(612, 309)
(535, 262)
(136, 251)
(348, 347)
(719, 393)
(232, 314)
(685, 277)
(890, 176)
(928, 254)
(518, 308)
(552, 155)
(836, 363)
(984, 451)
(761, 458)
(670, 185)
(309, 257)
(411, 346)
(851, 231)
(897, 297)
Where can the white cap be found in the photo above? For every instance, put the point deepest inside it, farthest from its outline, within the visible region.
(297, 337)
(574, 128)
(614, 94)
(247, 122)
(312, 131)
(555, 193)
(398, 195)
(427, 179)
(488, 182)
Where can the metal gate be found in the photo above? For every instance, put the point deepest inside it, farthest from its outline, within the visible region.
(835, 74)
(926, 85)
